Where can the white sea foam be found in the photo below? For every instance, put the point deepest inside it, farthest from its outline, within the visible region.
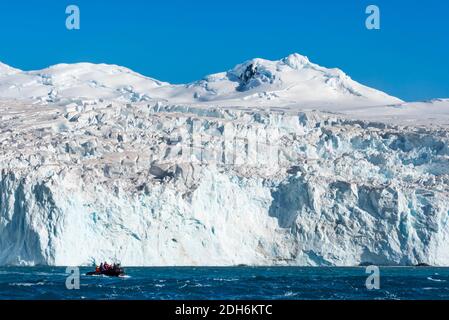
(435, 280)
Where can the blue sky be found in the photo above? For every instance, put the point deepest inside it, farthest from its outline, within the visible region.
(180, 41)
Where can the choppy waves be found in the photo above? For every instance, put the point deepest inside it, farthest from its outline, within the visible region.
(228, 283)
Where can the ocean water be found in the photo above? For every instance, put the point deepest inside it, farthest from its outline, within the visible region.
(46, 283)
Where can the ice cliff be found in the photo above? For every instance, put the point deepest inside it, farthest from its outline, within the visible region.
(173, 184)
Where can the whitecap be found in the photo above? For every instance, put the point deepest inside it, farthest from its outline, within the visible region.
(290, 294)
(435, 280)
(222, 279)
(26, 284)
(50, 274)
(202, 285)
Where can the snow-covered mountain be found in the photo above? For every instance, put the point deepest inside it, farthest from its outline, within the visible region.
(292, 80)
(65, 83)
(271, 163)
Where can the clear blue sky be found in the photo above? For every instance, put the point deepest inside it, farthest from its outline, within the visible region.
(183, 40)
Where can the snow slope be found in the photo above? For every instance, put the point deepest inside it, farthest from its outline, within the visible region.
(430, 113)
(81, 82)
(6, 70)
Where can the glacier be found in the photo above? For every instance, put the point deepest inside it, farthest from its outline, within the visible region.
(247, 171)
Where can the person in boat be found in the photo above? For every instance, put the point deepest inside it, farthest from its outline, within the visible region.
(114, 269)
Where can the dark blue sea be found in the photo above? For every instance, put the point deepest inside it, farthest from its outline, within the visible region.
(45, 283)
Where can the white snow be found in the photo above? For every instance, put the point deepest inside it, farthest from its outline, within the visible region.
(7, 70)
(430, 113)
(271, 163)
(290, 80)
(292, 83)
(65, 83)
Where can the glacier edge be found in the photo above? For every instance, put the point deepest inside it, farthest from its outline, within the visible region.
(255, 188)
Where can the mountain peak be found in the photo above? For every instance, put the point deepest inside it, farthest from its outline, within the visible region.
(290, 80)
(295, 60)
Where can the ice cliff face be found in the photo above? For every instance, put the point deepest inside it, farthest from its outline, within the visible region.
(164, 184)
